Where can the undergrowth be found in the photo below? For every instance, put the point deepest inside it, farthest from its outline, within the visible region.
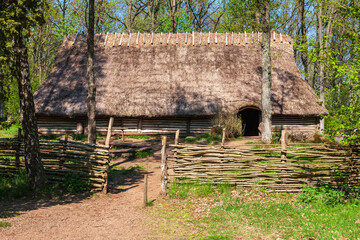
(8, 130)
(207, 137)
(325, 212)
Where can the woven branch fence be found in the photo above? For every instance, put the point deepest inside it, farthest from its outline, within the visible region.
(59, 158)
(269, 166)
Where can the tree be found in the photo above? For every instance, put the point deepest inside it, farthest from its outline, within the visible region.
(91, 102)
(266, 71)
(16, 21)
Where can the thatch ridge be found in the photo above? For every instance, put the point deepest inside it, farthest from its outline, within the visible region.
(184, 75)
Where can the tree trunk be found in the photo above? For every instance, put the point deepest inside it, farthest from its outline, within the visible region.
(173, 22)
(91, 103)
(321, 64)
(2, 112)
(33, 164)
(129, 16)
(266, 72)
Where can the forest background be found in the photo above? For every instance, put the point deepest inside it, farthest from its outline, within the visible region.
(326, 44)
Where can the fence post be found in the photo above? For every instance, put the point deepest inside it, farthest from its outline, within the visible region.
(283, 145)
(61, 160)
(108, 136)
(223, 137)
(122, 135)
(177, 137)
(145, 189)
(106, 178)
(164, 168)
(18, 148)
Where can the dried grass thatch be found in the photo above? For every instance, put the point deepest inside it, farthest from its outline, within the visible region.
(185, 74)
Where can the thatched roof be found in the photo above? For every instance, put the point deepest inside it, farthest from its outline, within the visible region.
(158, 75)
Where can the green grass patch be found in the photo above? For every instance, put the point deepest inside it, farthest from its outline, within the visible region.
(5, 224)
(13, 187)
(80, 137)
(208, 138)
(139, 137)
(8, 131)
(205, 211)
(143, 154)
(49, 137)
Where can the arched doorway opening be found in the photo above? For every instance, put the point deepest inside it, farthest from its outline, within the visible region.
(250, 118)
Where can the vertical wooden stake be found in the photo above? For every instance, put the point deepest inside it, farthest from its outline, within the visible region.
(164, 173)
(177, 137)
(223, 137)
(17, 153)
(283, 145)
(122, 135)
(108, 136)
(145, 189)
(106, 178)
(62, 160)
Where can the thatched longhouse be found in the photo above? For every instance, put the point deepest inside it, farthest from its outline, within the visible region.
(157, 83)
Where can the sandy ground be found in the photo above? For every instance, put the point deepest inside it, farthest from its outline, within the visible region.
(117, 215)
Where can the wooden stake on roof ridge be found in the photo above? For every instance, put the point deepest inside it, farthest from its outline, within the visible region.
(215, 37)
(177, 37)
(232, 38)
(281, 38)
(245, 38)
(239, 39)
(122, 35)
(226, 39)
(252, 37)
(75, 38)
(209, 38)
(152, 38)
(107, 34)
(185, 37)
(200, 39)
(144, 38)
(258, 37)
(167, 42)
(66, 38)
(128, 44)
(161, 38)
(114, 40)
(137, 38)
(274, 35)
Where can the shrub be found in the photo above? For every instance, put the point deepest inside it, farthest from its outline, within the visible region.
(231, 123)
(74, 184)
(13, 187)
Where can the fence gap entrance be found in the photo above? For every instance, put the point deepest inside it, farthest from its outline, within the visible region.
(250, 118)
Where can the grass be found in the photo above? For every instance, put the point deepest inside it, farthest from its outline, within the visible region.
(9, 131)
(49, 137)
(121, 171)
(5, 224)
(139, 137)
(207, 211)
(208, 138)
(143, 154)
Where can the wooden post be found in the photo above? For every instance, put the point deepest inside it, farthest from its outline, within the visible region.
(79, 128)
(18, 148)
(164, 173)
(223, 137)
(139, 125)
(283, 145)
(188, 126)
(62, 160)
(122, 135)
(108, 136)
(177, 137)
(106, 178)
(145, 189)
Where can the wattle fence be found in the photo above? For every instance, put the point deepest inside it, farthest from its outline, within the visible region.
(268, 166)
(60, 158)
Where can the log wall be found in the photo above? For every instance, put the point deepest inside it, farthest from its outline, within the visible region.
(165, 126)
(59, 158)
(262, 165)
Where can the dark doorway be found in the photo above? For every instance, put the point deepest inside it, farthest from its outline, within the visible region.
(250, 120)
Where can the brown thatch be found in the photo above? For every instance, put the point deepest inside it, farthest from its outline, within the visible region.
(174, 75)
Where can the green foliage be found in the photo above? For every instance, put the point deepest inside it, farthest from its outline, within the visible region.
(49, 137)
(75, 184)
(80, 137)
(329, 195)
(13, 187)
(8, 131)
(184, 189)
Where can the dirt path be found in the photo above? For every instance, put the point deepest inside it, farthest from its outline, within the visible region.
(117, 215)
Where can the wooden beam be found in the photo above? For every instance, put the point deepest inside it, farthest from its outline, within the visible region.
(164, 167)
(108, 136)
